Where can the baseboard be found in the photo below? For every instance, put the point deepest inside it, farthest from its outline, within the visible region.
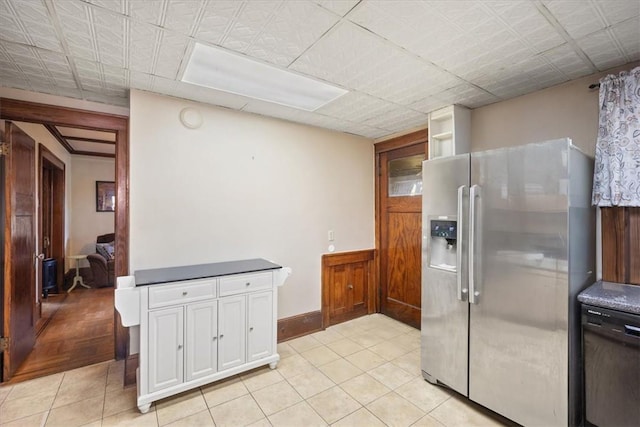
(130, 366)
(299, 325)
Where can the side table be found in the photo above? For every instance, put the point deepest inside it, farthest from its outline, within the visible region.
(77, 279)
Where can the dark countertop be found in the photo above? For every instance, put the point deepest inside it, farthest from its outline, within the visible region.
(615, 296)
(201, 271)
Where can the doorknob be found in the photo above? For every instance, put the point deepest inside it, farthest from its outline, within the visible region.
(39, 256)
(350, 286)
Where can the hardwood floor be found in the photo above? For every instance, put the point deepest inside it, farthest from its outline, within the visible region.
(79, 333)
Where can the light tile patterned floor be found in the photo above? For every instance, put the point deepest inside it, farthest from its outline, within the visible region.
(365, 372)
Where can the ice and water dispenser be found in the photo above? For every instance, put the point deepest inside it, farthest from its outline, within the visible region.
(443, 242)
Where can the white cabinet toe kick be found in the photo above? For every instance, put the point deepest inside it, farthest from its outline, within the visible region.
(194, 332)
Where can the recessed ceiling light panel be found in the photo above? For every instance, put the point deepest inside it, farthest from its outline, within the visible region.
(222, 70)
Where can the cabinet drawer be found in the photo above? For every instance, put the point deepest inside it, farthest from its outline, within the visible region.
(245, 283)
(183, 292)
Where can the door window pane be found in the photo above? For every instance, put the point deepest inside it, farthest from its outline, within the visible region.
(405, 176)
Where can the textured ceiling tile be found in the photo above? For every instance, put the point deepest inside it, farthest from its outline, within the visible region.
(140, 81)
(601, 49)
(113, 5)
(249, 23)
(356, 107)
(341, 7)
(216, 19)
(568, 61)
(148, 11)
(181, 15)
(296, 26)
(398, 119)
(628, 34)
(142, 45)
(617, 11)
(170, 54)
(110, 36)
(37, 24)
(577, 17)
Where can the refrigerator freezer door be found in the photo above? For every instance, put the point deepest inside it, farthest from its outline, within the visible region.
(518, 326)
(445, 311)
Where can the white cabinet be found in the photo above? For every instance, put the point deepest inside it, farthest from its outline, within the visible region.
(232, 331)
(201, 349)
(166, 329)
(449, 131)
(198, 331)
(260, 325)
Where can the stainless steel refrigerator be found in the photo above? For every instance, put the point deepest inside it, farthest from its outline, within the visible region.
(508, 243)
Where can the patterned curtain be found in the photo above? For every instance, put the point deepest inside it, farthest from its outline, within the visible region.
(616, 178)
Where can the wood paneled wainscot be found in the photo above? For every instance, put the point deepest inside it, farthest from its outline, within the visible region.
(621, 245)
(347, 286)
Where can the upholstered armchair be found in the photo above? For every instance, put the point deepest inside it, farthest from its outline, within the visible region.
(102, 270)
(102, 263)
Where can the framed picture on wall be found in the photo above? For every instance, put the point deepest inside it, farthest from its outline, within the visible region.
(105, 196)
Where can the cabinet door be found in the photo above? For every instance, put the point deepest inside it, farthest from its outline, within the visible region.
(202, 340)
(166, 329)
(231, 332)
(260, 327)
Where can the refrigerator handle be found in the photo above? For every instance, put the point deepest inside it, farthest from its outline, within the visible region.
(461, 291)
(474, 193)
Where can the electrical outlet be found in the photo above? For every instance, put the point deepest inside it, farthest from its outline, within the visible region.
(331, 235)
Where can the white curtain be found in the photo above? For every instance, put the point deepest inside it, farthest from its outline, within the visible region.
(616, 178)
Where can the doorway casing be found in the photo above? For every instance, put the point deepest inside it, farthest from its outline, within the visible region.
(26, 111)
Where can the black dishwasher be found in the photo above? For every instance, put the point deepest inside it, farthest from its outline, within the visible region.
(611, 349)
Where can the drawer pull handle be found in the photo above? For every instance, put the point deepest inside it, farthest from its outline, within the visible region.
(248, 283)
(350, 286)
(251, 328)
(221, 335)
(179, 346)
(215, 338)
(184, 293)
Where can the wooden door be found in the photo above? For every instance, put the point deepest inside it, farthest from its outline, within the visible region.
(400, 231)
(19, 248)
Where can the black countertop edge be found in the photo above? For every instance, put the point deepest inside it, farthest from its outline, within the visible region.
(201, 271)
(615, 296)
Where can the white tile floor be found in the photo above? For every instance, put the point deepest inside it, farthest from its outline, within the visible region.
(365, 372)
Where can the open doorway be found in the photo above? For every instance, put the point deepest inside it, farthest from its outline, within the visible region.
(117, 125)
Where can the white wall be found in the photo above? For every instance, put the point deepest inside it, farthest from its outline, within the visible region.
(566, 110)
(86, 223)
(245, 186)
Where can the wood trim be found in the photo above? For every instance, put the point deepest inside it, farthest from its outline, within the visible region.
(56, 134)
(57, 238)
(413, 138)
(615, 245)
(11, 109)
(94, 154)
(299, 325)
(131, 363)
(634, 246)
(342, 258)
(79, 138)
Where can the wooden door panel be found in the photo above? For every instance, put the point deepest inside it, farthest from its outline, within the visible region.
(359, 283)
(339, 299)
(19, 272)
(404, 258)
(346, 278)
